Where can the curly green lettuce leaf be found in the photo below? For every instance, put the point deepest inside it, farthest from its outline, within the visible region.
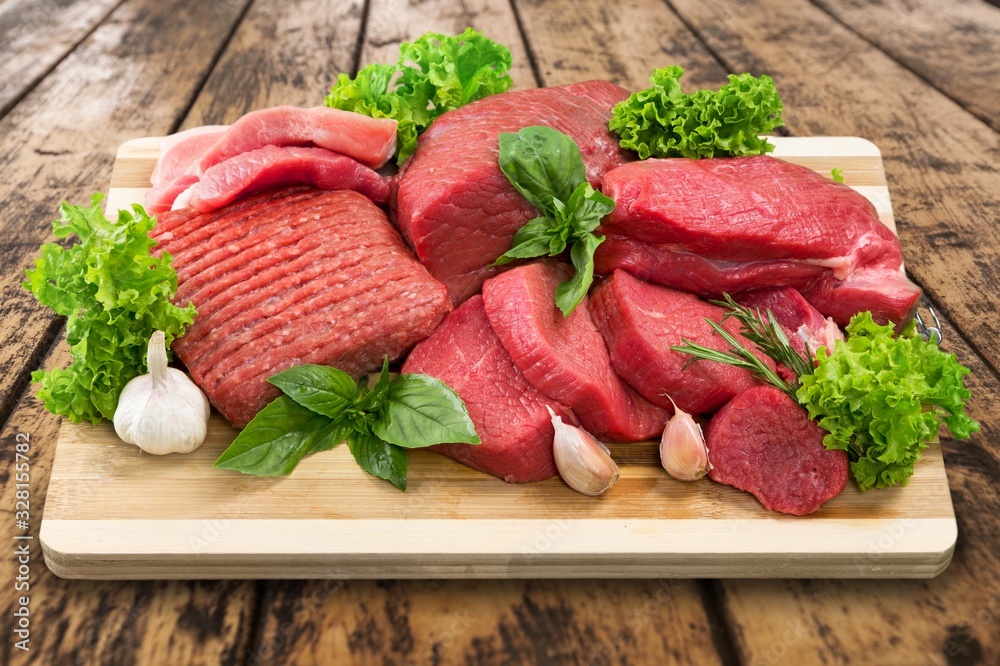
(114, 294)
(882, 398)
(434, 74)
(662, 121)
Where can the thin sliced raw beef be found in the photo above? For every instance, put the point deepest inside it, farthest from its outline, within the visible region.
(181, 151)
(565, 357)
(177, 166)
(509, 414)
(805, 327)
(371, 141)
(750, 212)
(763, 442)
(288, 277)
(453, 203)
(274, 166)
(641, 321)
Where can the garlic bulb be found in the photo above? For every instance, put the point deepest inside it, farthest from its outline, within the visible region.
(584, 463)
(162, 412)
(683, 452)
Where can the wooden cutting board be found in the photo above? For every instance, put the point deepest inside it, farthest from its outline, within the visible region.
(113, 512)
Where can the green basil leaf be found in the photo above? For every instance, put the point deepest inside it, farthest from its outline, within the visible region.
(570, 293)
(372, 401)
(379, 458)
(542, 164)
(275, 440)
(330, 436)
(423, 411)
(531, 240)
(587, 207)
(319, 388)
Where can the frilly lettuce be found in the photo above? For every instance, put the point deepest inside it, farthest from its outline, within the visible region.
(662, 121)
(434, 74)
(881, 398)
(114, 295)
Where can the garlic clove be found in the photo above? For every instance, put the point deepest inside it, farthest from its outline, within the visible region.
(583, 462)
(163, 411)
(683, 452)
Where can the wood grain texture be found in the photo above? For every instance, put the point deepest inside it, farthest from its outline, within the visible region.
(89, 622)
(620, 42)
(943, 204)
(954, 46)
(485, 623)
(942, 163)
(36, 34)
(135, 72)
(281, 53)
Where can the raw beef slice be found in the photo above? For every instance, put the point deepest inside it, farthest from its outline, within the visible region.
(453, 203)
(750, 218)
(764, 443)
(509, 414)
(371, 141)
(275, 166)
(641, 321)
(565, 357)
(290, 277)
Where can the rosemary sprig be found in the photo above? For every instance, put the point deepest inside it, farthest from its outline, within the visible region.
(766, 335)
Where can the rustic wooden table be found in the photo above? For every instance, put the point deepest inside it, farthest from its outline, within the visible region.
(919, 78)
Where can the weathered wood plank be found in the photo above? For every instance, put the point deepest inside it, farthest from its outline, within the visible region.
(282, 53)
(939, 161)
(484, 622)
(86, 622)
(37, 34)
(135, 74)
(955, 46)
(942, 163)
(621, 43)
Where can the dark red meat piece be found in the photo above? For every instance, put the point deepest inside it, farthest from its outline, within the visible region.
(565, 357)
(509, 414)
(641, 321)
(453, 203)
(755, 218)
(763, 442)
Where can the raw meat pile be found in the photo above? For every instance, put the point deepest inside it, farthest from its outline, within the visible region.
(281, 238)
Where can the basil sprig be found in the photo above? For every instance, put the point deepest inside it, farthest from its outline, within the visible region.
(546, 167)
(322, 406)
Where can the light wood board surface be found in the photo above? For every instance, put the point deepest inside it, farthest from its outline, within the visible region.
(115, 513)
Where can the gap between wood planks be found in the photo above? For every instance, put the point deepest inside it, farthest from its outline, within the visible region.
(196, 92)
(917, 71)
(16, 99)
